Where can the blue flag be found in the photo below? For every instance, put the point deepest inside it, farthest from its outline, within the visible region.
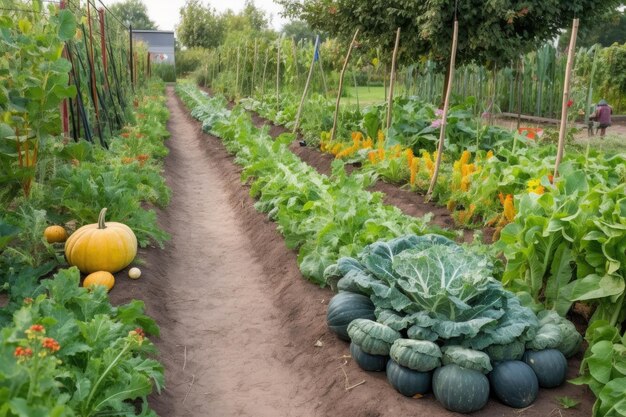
(316, 56)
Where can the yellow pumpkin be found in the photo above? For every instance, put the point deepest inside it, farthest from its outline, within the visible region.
(55, 234)
(101, 246)
(100, 278)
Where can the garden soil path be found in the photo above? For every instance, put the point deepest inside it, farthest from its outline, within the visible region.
(242, 333)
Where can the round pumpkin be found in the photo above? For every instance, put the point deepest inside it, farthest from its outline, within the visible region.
(101, 246)
(514, 383)
(55, 234)
(100, 278)
(459, 389)
(367, 362)
(345, 307)
(549, 365)
(406, 381)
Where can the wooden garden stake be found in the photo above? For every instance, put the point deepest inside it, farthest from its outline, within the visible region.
(568, 73)
(333, 132)
(319, 61)
(306, 86)
(256, 56)
(94, 93)
(245, 61)
(392, 79)
(294, 48)
(267, 59)
(278, 74)
(103, 47)
(130, 58)
(237, 74)
(444, 116)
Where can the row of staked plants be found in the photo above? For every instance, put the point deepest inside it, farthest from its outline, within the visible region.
(66, 350)
(289, 190)
(562, 238)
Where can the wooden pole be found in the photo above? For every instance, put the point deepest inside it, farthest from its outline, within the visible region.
(130, 58)
(392, 79)
(568, 73)
(446, 105)
(267, 60)
(256, 56)
(520, 84)
(278, 74)
(319, 61)
(148, 69)
(306, 87)
(333, 132)
(65, 121)
(103, 47)
(244, 64)
(94, 92)
(294, 49)
(237, 76)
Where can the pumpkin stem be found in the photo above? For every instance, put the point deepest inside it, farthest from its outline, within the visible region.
(101, 223)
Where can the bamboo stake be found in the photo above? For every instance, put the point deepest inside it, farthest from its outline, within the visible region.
(104, 48)
(245, 63)
(568, 73)
(520, 85)
(333, 132)
(237, 76)
(256, 56)
(294, 49)
(278, 74)
(319, 61)
(446, 105)
(130, 57)
(393, 79)
(306, 87)
(94, 94)
(267, 58)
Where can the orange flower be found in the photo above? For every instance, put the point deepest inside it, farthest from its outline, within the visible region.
(414, 169)
(24, 353)
(509, 208)
(50, 344)
(381, 154)
(372, 157)
(409, 156)
(37, 328)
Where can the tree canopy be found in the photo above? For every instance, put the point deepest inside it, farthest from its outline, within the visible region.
(202, 26)
(133, 12)
(490, 31)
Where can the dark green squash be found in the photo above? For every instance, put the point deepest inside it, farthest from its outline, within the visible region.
(549, 365)
(514, 383)
(372, 337)
(407, 381)
(345, 307)
(367, 362)
(459, 389)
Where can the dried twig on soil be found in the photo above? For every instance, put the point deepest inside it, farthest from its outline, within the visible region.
(521, 410)
(347, 385)
(193, 378)
(185, 359)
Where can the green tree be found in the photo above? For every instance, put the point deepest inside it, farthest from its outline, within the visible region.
(298, 30)
(490, 31)
(606, 30)
(200, 26)
(133, 12)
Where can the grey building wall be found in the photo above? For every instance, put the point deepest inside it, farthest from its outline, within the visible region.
(160, 44)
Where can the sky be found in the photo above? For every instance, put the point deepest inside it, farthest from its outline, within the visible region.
(165, 13)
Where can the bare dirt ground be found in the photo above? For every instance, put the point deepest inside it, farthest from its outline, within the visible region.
(242, 333)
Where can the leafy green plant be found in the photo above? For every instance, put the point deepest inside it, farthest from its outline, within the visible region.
(69, 351)
(436, 290)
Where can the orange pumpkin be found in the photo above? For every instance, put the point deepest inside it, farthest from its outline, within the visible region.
(55, 234)
(100, 278)
(101, 246)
